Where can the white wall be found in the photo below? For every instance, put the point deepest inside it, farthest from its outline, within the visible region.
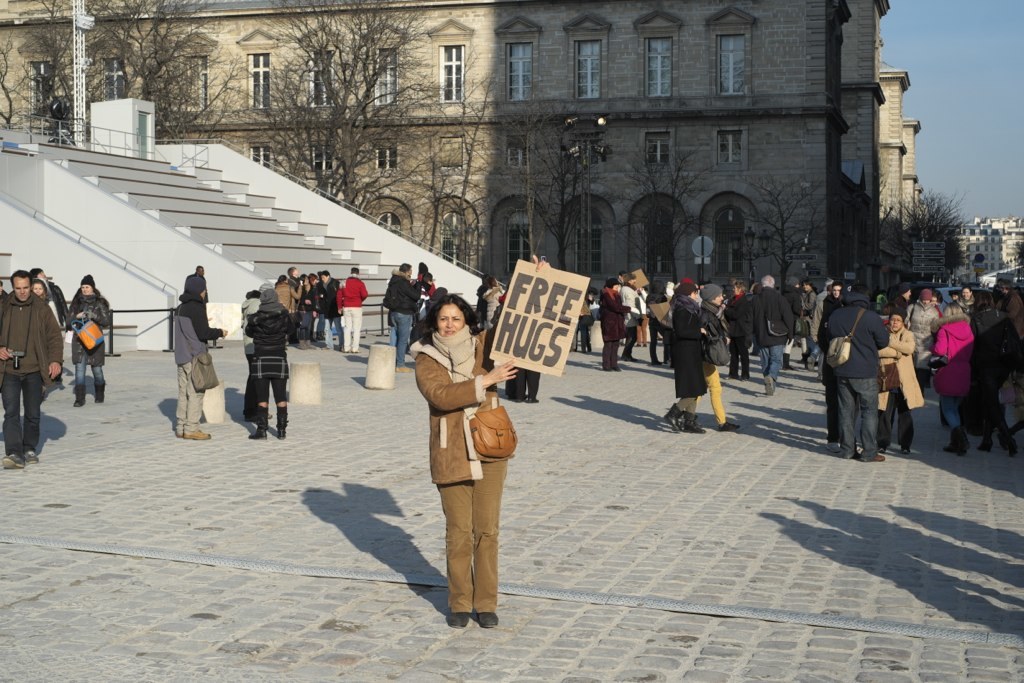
(315, 209)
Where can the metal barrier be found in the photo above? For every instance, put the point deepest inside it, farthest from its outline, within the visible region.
(170, 326)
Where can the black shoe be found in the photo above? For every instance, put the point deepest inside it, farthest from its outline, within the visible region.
(30, 457)
(458, 619)
(13, 461)
(674, 417)
(904, 451)
(985, 445)
(654, 362)
(616, 369)
(487, 619)
(728, 427)
(530, 400)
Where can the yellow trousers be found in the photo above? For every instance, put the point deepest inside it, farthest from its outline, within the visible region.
(714, 383)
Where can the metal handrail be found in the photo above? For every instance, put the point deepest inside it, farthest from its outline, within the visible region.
(316, 190)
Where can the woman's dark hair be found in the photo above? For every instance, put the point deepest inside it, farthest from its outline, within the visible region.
(892, 309)
(467, 313)
(983, 301)
(77, 298)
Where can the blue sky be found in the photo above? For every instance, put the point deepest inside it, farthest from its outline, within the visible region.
(966, 67)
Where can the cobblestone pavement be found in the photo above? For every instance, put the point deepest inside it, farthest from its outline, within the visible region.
(602, 499)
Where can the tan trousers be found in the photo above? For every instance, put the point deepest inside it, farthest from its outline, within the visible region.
(353, 328)
(190, 402)
(472, 510)
(714, 383)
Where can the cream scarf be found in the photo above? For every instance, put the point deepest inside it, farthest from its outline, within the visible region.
(459, 351)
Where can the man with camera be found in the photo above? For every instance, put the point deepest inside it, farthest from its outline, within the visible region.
(31, 354)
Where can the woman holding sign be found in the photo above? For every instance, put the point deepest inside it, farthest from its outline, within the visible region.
(455, 376)
(687, 359)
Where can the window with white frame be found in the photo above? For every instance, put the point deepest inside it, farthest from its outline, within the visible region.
(320, 72)
(588, 247)
(386, 90)
(515, 153)
(42, 85)
(452, 224)
(262, 155)
(323, 158)
(517, 239)
(730, 146)
(451, 153)
(113, 78)
(659, 67)
(387, 157)
(588, 69)
(520, 71)
(452, 72)
(391, 221)
(202, 70)
(731, 64)
(656, 148)
(259, 72)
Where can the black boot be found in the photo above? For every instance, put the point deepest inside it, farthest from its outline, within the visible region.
(691, 425)
(282, 421)
(79, 395)
(262, 418)
(957, 442)
(986, 441)
(672, 417)
(100, 389)
(1007, 442)
(785, 362)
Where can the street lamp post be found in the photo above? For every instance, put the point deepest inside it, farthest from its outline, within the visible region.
(586, 147)
(763, 239)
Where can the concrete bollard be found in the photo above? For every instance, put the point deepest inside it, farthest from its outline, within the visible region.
(380, 367)
(213, 405)
(596, 340)
(304, 384)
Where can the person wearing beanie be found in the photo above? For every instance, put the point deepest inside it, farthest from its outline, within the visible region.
(715, 333)
(613, 324)
(88, 304)
(687, 368)
(191, 332)
(270, 327)
(922, 317)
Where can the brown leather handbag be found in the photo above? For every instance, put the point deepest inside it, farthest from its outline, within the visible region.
(493, 433)
(888, 377)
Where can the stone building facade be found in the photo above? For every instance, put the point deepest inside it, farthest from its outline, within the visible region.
(725, 120)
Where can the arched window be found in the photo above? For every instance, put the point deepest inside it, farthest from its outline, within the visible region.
(588, 247)
(517, 239)
(391, 221)
(729, 241)
(452, 225)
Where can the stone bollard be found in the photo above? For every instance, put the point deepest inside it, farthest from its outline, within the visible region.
(213, 405)
(380, 367)
(304, 384)
(596, 340)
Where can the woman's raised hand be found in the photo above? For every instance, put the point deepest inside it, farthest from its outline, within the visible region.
(500, 373)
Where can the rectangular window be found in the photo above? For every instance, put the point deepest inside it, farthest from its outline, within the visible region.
(588, 248)
(452, 73)
(515, 155)
(113, 79)
(387, 158)
(588, 69)
(731, 51)
(202, 66)
(520, 71)
(260, 76)
(323, 158)
(320, 80)
(656, 146)
(517, 240)
(387, 76)
(659, 67)
(451, 152)
(262, 155)
(42, 85)
(730, 146)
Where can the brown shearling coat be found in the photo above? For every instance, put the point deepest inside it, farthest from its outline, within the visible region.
(901, 351)
(449, 457)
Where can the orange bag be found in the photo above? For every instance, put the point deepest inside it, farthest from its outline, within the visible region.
(89, 333)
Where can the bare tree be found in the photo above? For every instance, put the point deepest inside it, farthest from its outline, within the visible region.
(792, 214)
(934, 217)
(46, 47)
(8, 81)
(343, 86)
(663, 188)
(157, 50)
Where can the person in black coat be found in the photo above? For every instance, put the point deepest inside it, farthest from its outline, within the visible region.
(991, 329)
(270, 326)
(793, 297)
(654, 327)
(773, 328)
(738, 315)
(687, 359)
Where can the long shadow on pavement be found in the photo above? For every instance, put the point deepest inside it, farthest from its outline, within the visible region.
(620, 411)
(910, 561)
(356, 513)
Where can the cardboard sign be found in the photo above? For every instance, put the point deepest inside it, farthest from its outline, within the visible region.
(660, 312)
(225, 317)
(539, 318)
(641, 279)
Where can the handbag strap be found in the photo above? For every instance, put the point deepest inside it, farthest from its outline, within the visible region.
(860, 314)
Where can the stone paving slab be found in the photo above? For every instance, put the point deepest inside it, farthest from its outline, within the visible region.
(602, 498)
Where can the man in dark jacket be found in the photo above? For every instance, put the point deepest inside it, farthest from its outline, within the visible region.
(329, 313)
(31, 354)
(773, 327)
(401, 299)
(832, 302)
(191, 332)
(857, 378)
(792, 295)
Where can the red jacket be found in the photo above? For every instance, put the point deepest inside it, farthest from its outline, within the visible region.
(352, 294)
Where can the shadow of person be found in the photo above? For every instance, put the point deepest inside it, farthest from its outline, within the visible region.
(234, 404)
(169, 409)
(50, 429)
(966, 531)
(356, 513)
(910, 560)
(618, 410)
